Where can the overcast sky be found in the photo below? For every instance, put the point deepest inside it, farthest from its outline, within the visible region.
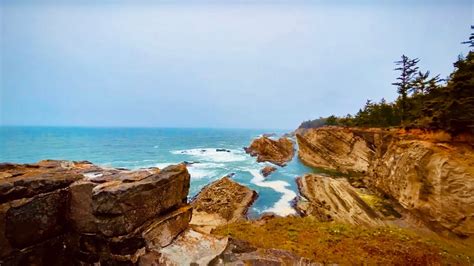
(246, 64)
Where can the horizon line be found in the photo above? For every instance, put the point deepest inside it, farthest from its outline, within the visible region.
(143, 127)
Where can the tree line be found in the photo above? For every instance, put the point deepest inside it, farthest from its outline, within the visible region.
(424, 101)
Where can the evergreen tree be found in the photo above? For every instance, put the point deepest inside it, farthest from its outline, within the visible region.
(420, 83)
(471, 38)
(452, 107)
(405, 81)
(423, 102)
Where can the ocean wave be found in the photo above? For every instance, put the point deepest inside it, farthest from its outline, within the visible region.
(198, 170)
(283, 206)
(212, 155)
(162, 165)
(204, 170)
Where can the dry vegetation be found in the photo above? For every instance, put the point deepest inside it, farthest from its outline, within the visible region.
(345, 244)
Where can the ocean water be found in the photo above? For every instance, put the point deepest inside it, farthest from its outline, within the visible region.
(135, 148)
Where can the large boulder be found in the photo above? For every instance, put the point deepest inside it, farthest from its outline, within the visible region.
(122, 206)
(221, 202)
(278, 152)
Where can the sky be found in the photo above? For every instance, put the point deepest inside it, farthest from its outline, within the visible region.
(220, 64)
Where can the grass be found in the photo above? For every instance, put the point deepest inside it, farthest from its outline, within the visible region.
(354, 178)
(326, 242)
(379, 204)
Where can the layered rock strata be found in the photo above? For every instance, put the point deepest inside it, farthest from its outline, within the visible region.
(221, 202)
(427, 173)
(330, 199)
(278, 152)
(60, 212)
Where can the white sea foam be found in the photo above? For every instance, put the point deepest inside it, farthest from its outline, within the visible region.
(212, 155)
(92, 175)
(198, 170)
(204, 170)
(162, 165)
(283, 206)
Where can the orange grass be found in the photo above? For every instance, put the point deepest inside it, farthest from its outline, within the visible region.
(343, 244)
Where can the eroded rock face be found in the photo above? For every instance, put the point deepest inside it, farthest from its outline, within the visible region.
(61, 212)
(278, 152)
(339, 149)
(428, 176)
(221, 202)
(436, 180)
(122, 206)
(330, 199)
(190, 248)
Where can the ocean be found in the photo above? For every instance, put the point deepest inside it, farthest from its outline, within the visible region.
(135, 148)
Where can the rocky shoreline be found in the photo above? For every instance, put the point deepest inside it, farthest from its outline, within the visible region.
(57, 212)
(63, 212)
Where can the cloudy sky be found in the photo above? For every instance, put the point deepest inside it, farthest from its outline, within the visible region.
(234, 64)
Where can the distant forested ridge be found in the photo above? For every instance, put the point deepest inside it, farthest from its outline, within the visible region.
(424, 101)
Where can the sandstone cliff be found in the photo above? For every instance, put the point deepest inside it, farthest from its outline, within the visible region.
(330, 199)
(63, 213)
(278, 152)
(425, 173)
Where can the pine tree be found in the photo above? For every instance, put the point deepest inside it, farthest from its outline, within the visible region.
(471, 38)
(420, 83)
(405, 81)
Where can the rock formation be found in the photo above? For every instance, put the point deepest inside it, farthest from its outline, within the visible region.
(221, 202)
(238, 252)
(189, 248)
(278, 152)
(62, 213)
(267, 170)
(330, 199)
(423, 172)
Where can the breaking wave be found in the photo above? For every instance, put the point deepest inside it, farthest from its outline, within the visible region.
(283, 206)
(214, 154)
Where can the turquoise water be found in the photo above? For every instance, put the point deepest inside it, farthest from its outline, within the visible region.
(145, 147)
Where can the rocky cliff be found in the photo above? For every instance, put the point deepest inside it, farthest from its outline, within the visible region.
(330, 199)
(63, 213)
(427, 173)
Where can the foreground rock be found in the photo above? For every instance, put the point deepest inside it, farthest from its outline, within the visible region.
(267, 170)
(239, 252)
(62, 213)
(429, 174)
(221, 202)
(278, 152)
(190, 248)
(330, 199)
